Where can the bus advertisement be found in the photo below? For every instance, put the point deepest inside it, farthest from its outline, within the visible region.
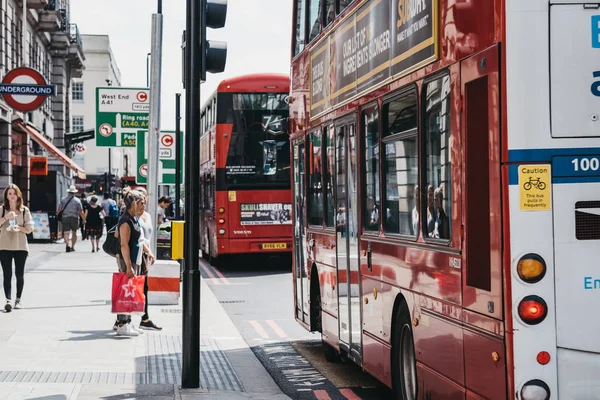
(245, 168)
(446, 192)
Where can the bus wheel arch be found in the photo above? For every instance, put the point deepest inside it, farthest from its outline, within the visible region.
(403, 362)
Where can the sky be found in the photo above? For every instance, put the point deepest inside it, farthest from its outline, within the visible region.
(257, 32)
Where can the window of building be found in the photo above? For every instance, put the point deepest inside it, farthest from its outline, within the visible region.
(436, 142)
(300, 32)
(315, 184)
(314, 21)
(372, 209)
(77, 91)
(329, 166)
(77, 125)
(401, 202)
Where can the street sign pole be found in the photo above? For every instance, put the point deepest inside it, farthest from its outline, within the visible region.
(154, 123)
(177, 155)
(190, 374)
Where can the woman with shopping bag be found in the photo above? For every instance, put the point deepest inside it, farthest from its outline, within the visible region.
(130, 261)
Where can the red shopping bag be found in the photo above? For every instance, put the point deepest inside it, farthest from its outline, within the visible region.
(128, 294)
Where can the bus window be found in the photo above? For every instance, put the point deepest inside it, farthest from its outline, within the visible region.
(314, 22)
(328, 168)
(328, 12)
(371, 205)
(342, 4)
(258, 150)
(401, 165)
(436, 141)
(315, 186)
(300, 28)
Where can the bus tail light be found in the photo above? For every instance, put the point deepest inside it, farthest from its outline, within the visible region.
(532, 310)
(531, 268)
(221, 220)
(221, 210)
(535, 390)
(543, 357)
(221, 231)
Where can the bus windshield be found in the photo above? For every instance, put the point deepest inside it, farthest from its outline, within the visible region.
(259, 153)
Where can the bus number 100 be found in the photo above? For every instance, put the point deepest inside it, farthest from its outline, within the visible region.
(586, 164)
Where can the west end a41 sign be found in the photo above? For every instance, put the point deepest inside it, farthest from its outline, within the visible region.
(120, 114)
(25, 89)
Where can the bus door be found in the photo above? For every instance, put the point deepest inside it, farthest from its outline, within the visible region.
(300, 273)
(347, 238)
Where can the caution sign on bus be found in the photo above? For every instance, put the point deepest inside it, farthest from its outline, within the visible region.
(534, 186)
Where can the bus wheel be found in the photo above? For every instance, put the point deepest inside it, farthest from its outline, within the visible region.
(404, 362)
(330, 353)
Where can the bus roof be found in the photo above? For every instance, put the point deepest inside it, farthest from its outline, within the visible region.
(256, 83)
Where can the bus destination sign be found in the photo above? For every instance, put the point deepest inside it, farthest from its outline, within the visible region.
(381, 39)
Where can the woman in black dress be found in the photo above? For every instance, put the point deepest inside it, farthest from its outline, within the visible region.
(93, 222)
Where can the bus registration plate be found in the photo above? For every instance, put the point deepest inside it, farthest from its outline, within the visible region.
(274, 246)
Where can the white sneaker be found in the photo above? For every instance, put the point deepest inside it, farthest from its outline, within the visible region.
(18, 304)
(126, 330)
(136, 328)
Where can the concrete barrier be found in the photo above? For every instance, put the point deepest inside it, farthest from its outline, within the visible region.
(163, 283)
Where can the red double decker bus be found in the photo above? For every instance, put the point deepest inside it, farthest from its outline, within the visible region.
(245, 167)
(446, 179)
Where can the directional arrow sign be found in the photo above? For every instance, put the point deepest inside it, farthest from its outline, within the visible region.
(120, 113)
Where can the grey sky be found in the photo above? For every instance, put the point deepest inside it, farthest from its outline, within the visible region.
(257, 33)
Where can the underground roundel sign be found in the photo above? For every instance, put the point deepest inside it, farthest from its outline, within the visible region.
(25, 89)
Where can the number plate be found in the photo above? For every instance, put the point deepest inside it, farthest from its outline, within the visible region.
(274, 246)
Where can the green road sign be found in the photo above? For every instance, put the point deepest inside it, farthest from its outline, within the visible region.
(166, 166)
(120, 114)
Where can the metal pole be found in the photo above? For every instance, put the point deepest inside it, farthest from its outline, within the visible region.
(23, 33)
(177, 154)
(190, 374)
(109, 170)
(148, 70)
(154, 125)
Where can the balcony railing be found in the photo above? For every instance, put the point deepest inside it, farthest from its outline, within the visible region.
(56, 5)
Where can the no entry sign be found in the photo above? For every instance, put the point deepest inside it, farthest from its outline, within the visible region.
(25, 89)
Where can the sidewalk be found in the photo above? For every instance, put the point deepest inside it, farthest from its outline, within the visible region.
(61, 345)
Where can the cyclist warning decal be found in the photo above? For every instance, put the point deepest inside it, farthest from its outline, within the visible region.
(534, 186)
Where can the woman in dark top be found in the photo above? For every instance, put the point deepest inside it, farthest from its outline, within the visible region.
(93, 222)
(132, 249)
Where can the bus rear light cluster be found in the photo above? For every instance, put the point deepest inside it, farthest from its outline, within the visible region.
(221, 231)
(535, 390)
(221, 210)
(531, 268)
(221, 220)
(533, 310)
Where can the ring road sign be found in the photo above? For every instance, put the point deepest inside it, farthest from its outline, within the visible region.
(25, 89)
(120, 113)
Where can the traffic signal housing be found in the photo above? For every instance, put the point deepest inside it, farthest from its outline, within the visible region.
(214, 53)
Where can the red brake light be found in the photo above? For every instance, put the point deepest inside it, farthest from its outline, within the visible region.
(532, 310)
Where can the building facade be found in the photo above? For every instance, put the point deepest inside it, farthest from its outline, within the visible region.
(38, 34)
(101, 70)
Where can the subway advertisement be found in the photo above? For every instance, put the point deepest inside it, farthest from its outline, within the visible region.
(266, 214)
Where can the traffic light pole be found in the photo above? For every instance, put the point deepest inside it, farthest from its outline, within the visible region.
(190, 374)
(177, 155)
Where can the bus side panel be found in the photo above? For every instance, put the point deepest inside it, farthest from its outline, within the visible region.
(435, 386)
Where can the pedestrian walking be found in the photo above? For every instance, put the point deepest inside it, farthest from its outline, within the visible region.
(93, 225)
(111, 210)
(84, 204)
(15, 224)
(70, 209)
(131, 252)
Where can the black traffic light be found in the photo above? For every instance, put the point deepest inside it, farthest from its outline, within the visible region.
(113, 181)
(214, 53)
